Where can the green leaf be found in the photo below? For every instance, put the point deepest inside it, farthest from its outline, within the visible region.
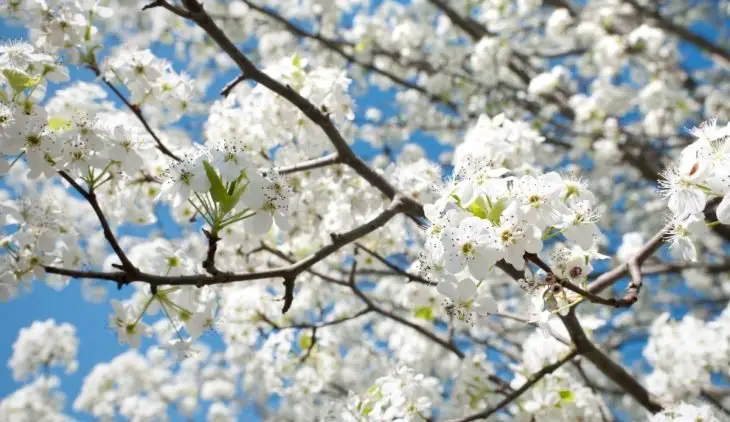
(217, 190)
(368, 409)
(566, 396)
(478, 208)
(56, 124)
(305, 342)
(296, 61)
(495, 212)
(233, 198)
(474, 402)
(19, 80)
(424, 312)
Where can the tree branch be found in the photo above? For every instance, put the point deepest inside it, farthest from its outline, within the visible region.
(325, 161)
(682, 32)
(534, 379)
(90, 197)
(288, 273)
(137, 111)
(398, 270)
(607, 279)
(205, 22)
(337, 48)
(209, 262)
(610, 369)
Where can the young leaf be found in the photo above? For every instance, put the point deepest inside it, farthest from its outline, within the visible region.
(20, 81)
(217, 190)
(233, 198)
(424, 312)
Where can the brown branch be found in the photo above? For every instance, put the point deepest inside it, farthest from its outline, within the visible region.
(298, 326)
(606, 365)
(120, 277)
(226, 91)
(534, 379)
(370, 304)
(337, 48)
(715, 401)
(678, 267)
(165, 5)
(587, 348)
(280, 254)
(90, 197)
(288, 273)
(311, 346)
(395, 268)
(209, 262)
(198, 15)
(325, 161)
(592, 297)
(608, 278)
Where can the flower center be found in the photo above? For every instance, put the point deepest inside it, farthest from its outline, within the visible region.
(467, 248)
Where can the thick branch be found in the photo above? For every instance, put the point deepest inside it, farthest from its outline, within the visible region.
(249, 69)
(289, 273)
(606, 365)
(585, 346)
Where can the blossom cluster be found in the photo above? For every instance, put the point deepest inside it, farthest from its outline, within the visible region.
(42, 345)
(56, 25)
(682, 376)
(402, 395)
(39, 400)
(686, 412)
(700, 176)
(256, 120)
(151, 81)
(77, 142)
(487, 215)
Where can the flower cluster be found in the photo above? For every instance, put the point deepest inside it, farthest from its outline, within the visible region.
(486, 216)
(59, 24)
(88, 143)
(700, 176)
(258, 120)
(686, 412)
(37, 401)
(42, 345)
(42, 237)
(402, 395)
(680, 376)
(507, 143)
(151, 81)
(224, 188)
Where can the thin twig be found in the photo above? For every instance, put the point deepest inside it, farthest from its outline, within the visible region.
(137, 111)
(398, 270)
(534, 379)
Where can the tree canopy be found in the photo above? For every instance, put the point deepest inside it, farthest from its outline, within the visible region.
(419, 210)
